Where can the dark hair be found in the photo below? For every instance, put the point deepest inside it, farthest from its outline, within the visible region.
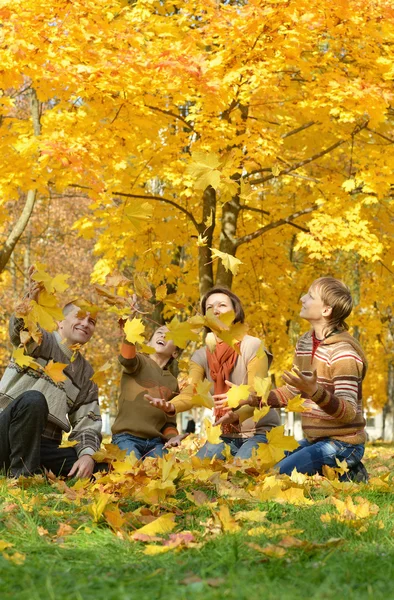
(235, 301)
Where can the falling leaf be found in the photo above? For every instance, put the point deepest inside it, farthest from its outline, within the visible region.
(147, 349)
(142, 286)
(229, 261)
(100, 376)
(259, 413)
(262, 387)
(51, 284)
(212, 433)
(54, 370)
(24, 360)
(236, 394)
(46, 311)
(133, 331)
(202, 395)
(180, 332)
(296, 404)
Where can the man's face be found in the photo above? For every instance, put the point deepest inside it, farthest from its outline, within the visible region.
(76, 329)
(161, 345)
(313, 309)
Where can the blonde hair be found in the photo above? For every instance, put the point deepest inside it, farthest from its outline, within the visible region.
(335, 294)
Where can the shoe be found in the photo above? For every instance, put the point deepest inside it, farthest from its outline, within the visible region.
(358, 473)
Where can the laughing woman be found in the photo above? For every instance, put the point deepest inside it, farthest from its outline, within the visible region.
(223, 367)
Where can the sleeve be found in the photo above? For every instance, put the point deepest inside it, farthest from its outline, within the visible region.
(183, 401)
(346, 374)
(85, 420)
(128, 357)
(170, 429)
(257, 367)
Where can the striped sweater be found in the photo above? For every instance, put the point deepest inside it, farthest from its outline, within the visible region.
(335, 410)
(72, 403)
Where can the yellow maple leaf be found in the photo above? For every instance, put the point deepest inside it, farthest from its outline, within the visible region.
(257, 516)
(261, 353)
(227, 521)
(229, 261)
(161, 292)
(68, 444)
(272, 452)
(51, 284)
(234, 335)
(163, 524)
(133, 331)
(54, 370)
(99, 377)
(237, 393)
(203, 169)
(262, 387)
(146, 349)
(24, 360)
(180, 332)
(138, 214)
(296, 404)
(202, 395)
(46, 312)
(212, 433)
(259, 413)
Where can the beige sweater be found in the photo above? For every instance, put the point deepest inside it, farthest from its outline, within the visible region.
(246, 368)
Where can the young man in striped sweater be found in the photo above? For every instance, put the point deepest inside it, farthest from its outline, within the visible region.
(328, 370)
(329, 367)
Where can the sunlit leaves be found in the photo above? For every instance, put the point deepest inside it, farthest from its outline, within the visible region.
(24, 360)
(297, 404)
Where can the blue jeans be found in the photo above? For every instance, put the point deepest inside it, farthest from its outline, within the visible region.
(239, 447)
(310, 457)
(141, 447)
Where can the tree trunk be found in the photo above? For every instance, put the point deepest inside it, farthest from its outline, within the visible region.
(21, 223)
(205, 267)
(228, 241)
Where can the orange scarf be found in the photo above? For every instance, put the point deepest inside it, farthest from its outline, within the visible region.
(221, 362)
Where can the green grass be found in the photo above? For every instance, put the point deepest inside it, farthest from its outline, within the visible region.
(94, 563)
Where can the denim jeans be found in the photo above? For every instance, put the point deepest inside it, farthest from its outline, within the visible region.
(141, 447)
(239, 447)
(310, 457)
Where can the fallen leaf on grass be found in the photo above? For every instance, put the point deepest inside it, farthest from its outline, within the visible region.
(270, 550)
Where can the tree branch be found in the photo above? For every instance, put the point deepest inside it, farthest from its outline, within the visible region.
(161, 199)
(287, 221)
(298, 129)
(20, 225)
(299, 164)
(171, 114)
(252, 208)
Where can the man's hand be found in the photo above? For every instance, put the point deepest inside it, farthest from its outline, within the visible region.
(175, 441)
(83, 467)
(165, 406)
(303, 383)
(230, 418)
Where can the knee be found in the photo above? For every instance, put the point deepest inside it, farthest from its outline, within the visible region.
(33, 401)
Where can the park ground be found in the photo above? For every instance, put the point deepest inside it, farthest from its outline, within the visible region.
(183, 530)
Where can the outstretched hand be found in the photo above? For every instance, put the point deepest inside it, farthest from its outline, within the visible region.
(165, 406)
(303, 383)
(230, 418)
(175, 441)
